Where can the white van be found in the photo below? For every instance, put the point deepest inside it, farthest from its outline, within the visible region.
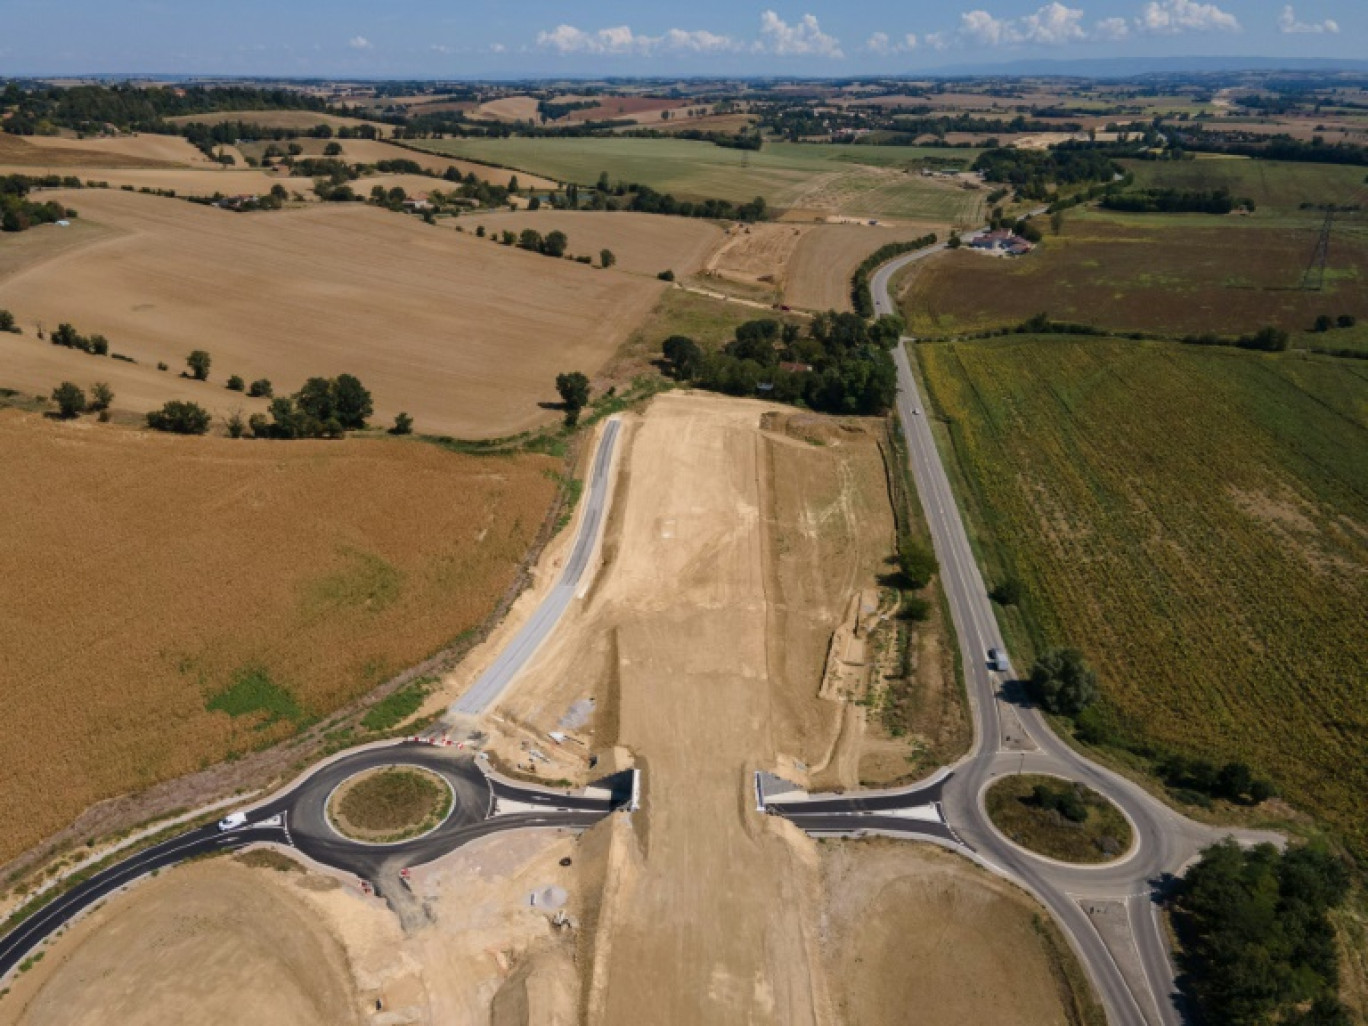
(232, 821)
(996, 660)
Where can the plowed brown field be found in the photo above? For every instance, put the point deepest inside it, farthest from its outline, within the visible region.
(421, 315)
(144, 573)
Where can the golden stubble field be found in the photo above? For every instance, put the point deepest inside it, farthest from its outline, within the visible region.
(465, 335)
(144, 573)
(642, 243)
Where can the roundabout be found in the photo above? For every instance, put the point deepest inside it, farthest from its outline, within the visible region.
(1058, 819)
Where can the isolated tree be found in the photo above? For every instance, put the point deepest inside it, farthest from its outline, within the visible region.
(1323, 323)
(606, 258)
(66, 335)
(1057, 222)
(97, 344)
(917, 563)
(480, 231)
(101, 395)
(332, 150)
(954, 242)
(513, 184)
(530, 239)
(1343, 320)
(70, 399)
(574, 392)
(351, 402)
(236, 425)
(180, 418)
(666, 275)
(508, 238)
(6, 321)
(554, 244)
(261, 389)
(1062, 682)
(1008, 593)
(534, 203)
(198, 362)
(236, 384)
(685, 356)
(403, 425)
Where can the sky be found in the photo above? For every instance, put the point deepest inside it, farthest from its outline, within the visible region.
(550, 38)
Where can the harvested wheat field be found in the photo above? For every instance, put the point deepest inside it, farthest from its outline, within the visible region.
(204, 180)
(418, 313)
(509, 108)
(149, 577)
(913, 927)
(819, 271)
(123, 150)
(372, 151)
(206, 945)
(642, 243)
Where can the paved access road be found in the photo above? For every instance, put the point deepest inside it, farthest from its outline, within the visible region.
(483, 803)
(510, 662)
(1109, 912)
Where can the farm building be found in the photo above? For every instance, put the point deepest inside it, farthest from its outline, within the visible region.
(1001, 241)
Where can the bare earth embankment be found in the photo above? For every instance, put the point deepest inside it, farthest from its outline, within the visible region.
(419, 314)
(148, 577)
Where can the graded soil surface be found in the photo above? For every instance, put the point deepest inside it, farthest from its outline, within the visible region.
(212, 944)
(418, 313)
(149, 576)
(915, 934)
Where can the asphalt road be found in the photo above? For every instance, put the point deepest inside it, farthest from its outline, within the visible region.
(1130, 968)
(510, 662)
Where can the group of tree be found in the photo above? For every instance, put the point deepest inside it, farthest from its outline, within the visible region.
(1062, 683)
(180, 418)
(1197, 780)
(1174, 201)
(1035, 174)
(551, 244)
(643, 199)
(1266, 340)
(573, 388)
(68, 337)
(1326, 323)
(323, 408)
(1063, 798)
(19, 213)
(71, 399)
(840, 364)
(1258, 945)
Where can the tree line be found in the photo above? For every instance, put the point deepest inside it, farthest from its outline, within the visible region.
(1174, 201)
(19, 213)
(860, 296)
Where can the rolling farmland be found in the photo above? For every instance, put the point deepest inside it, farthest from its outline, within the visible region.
(170, 601)
(859, 181)
(1197, 522)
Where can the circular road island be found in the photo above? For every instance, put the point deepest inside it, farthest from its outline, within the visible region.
(389, 804)
(1060, 819)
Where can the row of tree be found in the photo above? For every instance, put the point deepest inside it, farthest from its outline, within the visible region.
(19, 213)
(1174, 201)
(860, 296)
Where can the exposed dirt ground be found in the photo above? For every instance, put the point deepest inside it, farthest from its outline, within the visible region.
(826, 256)
(219, 943)
(909, 927)
(738, 534)
(322, 290)
(57, 153)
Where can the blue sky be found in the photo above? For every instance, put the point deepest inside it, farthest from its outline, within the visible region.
(460, 38)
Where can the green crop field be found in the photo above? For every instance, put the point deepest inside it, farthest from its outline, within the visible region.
(1278, 188)
(1178, 273)
(1196, 521)
(858, 181)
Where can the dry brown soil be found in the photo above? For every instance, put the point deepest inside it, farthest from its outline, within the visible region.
(819, 271)
(141, 151)
(420, 314)
(144, 571)
(642, 243)
(914, 933)
(210, 944)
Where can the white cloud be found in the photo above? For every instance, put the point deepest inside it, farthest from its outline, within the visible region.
(1170, 17)
(935, 41)
(497, 48)
(805, 38)
(620, 39)
(1052, 25)
(1111, 29)
(881, 44)
(1289, 25)
(359, 43)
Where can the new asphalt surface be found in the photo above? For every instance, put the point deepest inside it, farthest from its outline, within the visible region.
(1129, 964)
(296, 817)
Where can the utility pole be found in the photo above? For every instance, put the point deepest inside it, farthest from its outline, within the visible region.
(1315, 268)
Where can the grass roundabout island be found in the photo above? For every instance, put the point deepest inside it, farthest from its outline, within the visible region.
(389, 804)
(1058, 818)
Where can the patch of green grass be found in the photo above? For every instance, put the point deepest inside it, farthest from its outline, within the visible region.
(1102, 835)
(395, 708)
(392, 804)
(254, 693)
(365, 581)
(1278, 188)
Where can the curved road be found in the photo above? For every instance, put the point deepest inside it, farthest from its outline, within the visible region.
(1110, 912)
(483, 802)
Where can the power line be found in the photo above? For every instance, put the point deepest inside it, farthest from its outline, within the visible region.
(1315, 268)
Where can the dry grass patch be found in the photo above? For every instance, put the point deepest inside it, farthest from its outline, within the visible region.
(41, 152)
(913, 927)
(421, 315)
(170, 601)
(390, 804)
(826, 256)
